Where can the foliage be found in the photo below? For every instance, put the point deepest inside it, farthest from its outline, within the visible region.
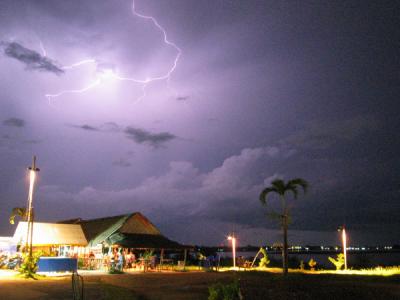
(338, 262)
(201, 256)
(301, 265)
(221, 291)
(17, 211)
(264, 262)
(312, 263)
(281, 188)
(29, 265)
(148, 254)
(80, 263)
(115, 271)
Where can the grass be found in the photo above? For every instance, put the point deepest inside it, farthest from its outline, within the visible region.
(382, 283)
(33, 276)
(263, 285)
(111, 292)
(378, 271)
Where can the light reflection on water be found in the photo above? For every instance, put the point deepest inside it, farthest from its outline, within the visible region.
(358, 259)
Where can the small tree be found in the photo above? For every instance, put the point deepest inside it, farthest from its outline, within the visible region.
(338, 262)
(264, 262)
(312, 263)
(282, 188)
(29, 265)
(301, 265)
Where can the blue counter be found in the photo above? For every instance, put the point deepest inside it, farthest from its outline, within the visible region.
(57, 264)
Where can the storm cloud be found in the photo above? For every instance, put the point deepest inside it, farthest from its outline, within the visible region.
(262, 89)
(14, 122)
(85, 127)
(142, 136)
(32, 59)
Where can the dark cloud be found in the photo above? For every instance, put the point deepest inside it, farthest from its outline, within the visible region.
(14, 122)
(182, 98)
(142, 136)
(105, 127)
(31, 59)
(85, 127)
(139, 135)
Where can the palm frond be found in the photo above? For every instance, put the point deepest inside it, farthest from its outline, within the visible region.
(265, 192)
(299, 182)
(17, 211)
(293, 189)
(279, 185)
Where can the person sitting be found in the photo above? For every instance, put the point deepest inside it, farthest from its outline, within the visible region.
(120, 264)
(91, 261)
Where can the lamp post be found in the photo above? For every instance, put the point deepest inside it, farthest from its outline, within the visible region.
(30, 216)
(233, 239)
(344, 239)
(344, 245)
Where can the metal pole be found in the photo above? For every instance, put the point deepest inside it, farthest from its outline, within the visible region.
(234, 251)
(233, 239)
(30, 217)
(344, 239)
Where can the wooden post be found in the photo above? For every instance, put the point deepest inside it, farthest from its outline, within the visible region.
(161, 259)
(184, 259)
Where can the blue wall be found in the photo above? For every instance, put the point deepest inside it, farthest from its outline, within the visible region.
(57, 264)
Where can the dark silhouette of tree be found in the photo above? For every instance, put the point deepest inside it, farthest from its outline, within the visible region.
(18, 211)
(278, 186)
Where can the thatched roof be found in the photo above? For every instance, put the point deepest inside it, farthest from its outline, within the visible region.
(47, 234)
(131, 231)
(143, 241)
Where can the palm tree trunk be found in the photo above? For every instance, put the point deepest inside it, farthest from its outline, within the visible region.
(285, 245)
(285, 215)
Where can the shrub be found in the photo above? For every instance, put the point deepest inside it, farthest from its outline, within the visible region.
(115, 271)
(264, 262)
(312, 263)
(29, 265)
(301, 265)
(338, 262)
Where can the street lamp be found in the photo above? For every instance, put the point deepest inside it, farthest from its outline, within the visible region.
(344, 244)
(30, 216)
(233, 239)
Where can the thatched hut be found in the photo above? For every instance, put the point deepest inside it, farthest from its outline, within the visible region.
(126, 231)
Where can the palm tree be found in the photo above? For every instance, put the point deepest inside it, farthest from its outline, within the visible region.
(278, 186)
(18, 211)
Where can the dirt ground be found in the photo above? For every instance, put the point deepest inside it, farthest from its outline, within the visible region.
(194, 285)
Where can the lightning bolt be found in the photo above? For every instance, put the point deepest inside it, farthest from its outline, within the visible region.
(143, 82)
(44, 53)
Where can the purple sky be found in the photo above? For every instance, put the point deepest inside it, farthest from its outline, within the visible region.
(262, 89)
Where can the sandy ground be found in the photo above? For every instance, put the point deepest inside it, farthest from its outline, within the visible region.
(194, 285)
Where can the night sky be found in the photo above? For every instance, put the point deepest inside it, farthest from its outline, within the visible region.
(261, 90)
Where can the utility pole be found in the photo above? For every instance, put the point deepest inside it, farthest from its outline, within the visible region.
(30, 214)
(233, 239)
(344, 244)
(344, 241)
